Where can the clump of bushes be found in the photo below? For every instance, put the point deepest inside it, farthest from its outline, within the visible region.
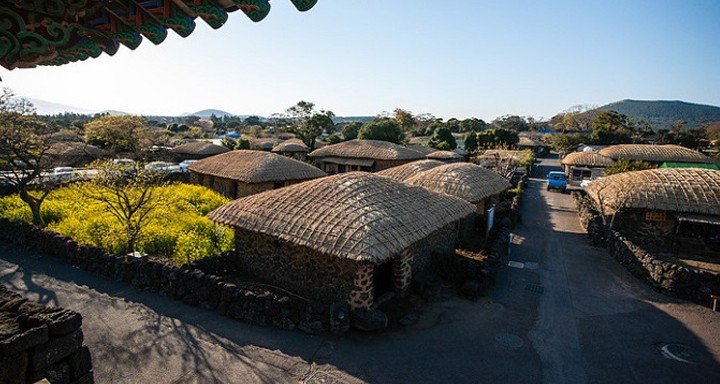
(176, 229)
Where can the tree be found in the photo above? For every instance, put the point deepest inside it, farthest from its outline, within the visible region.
(422, 123)
(498, 137)
(119, 133)
(610, 127)
(566, 143)
(712, 132)
(382, 129)
(350, 131)
(128, 193)
(473, 125)
(511, 123)
(453, 125)
(306, 123)
(23, 149)
(623, 165)
(405, 119)
(471, 142)
(442, 139)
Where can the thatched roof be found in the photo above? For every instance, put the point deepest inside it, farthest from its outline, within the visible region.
(264, 143)
(199, 148)
(444, 155)
(421, 148)
(292, 145)
(464, 180)
(588, 159)
(356, 215)
(74, 149)
(493, 156)
(255, 167)
(418, 140)
(689, 190)
(367, 149)
(405, 171)
(655, 153)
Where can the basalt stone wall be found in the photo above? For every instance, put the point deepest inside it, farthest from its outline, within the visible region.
(305, 271)
(591, 220)
(458, 269)
(440, 242)
(38, 342)
(202, 284)
(669, 277)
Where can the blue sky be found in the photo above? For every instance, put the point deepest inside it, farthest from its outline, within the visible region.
(457, 58)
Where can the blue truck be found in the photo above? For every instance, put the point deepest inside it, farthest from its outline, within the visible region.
(557, 180)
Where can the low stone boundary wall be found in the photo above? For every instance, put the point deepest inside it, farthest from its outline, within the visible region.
(671, 278)
(38, 342)
(199, 284)
(678, 280)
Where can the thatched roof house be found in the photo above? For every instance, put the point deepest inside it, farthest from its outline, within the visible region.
(405, 171)
(294, 148)
(264, 143)
(579, 166)
(656, 154)
(654, 203)
(469, 182)
(688, 190)
(241, 173)
(445, 156)
(421, 148)
(464, 180)
(362, 155)
(74, 153)
(197, 150)
(347, 237)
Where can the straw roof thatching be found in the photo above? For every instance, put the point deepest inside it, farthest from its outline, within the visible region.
(655, 153)
(689, 190)
(292, 145)
(356, 215)
(64, 149)
(264, 143)
(587, 159)
(444, 155)
(464, 180)
(421, 148)
(199, 148)
(405, 171)
(249, 166)
(418, 140)
(367, 149)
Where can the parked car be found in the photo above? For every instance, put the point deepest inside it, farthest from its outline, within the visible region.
(184, 164)
(128, 162)
(557, 180)
(62, 173)
(162, 166)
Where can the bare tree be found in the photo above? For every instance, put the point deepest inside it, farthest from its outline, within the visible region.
(129, 194)
(24, 142)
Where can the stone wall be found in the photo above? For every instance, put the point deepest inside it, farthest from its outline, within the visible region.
(300, 269)
(38, 342)
(666, 276)
(457, 268)
(199, 284)
(670, 277)
(440, 242)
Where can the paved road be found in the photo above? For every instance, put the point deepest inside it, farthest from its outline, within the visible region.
(571, 314)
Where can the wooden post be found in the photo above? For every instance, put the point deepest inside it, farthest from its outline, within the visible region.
(715, 300)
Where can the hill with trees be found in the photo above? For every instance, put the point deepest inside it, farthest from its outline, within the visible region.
(662, 114)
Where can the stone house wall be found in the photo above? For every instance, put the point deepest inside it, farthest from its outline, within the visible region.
(39, 342)
(304, 271)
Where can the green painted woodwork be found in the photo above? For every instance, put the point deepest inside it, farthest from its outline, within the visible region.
(57, 32)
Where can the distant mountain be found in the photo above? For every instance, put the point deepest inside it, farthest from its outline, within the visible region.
(49, 108)
(662, 113)
(206, 113)
(113, 112)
